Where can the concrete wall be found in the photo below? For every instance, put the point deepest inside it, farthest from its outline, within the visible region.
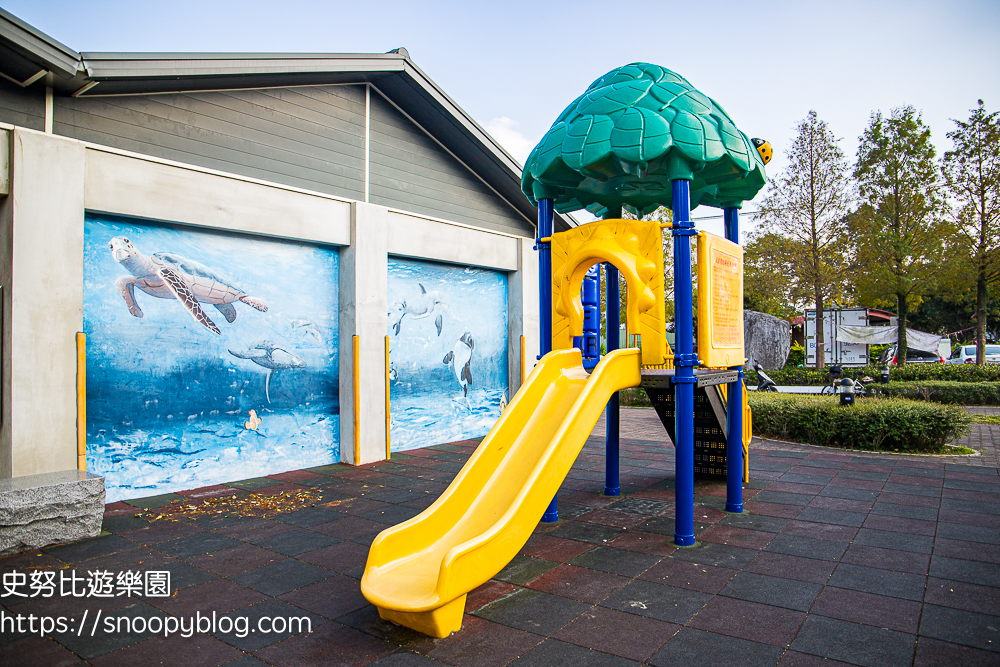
(364, 312)
(522, 320)
(123, 184)
(55, 179)
(42, 248)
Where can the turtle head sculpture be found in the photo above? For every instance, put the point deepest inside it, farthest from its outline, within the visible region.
(763, 147)
(634, 130)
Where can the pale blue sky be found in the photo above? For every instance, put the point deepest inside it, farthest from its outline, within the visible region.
(514, 66)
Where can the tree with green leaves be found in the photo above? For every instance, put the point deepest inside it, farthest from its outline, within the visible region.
(900, 236)
(806, 207)
(766, 285)
(972, 173)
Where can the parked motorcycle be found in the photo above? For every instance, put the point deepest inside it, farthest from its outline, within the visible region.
(764, 383)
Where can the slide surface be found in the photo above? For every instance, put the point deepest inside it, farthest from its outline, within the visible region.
(419, 572)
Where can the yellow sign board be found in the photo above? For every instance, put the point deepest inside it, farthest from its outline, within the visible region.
(720, 301)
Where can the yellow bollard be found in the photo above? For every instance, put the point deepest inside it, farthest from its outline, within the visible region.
(357, 402)
(524, 366)
(81, 401)
(388, 451)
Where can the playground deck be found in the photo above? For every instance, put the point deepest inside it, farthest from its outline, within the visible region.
(862, 559)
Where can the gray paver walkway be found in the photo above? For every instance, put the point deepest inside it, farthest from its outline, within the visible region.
(843, 558)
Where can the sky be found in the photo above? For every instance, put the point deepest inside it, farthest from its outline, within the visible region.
(513, 66)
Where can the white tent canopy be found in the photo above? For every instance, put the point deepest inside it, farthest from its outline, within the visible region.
(887, 335)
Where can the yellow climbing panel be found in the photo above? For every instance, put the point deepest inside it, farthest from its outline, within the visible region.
(720, 301)
(635, 247)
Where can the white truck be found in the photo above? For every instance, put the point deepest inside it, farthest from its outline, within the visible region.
(836, 352)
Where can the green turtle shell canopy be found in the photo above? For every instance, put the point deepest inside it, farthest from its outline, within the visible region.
(633, 131)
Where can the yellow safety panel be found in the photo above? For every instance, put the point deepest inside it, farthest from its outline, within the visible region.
(420, 571)
(720, 301)
(636, 248)
(747, 426)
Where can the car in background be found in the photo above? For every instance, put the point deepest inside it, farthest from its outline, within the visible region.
(888, 357)
(966, 354)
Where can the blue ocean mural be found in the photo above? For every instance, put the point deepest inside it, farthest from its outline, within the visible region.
(211, 357)
(448, 352)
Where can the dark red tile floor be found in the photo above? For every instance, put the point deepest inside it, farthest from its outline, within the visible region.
(841, 558)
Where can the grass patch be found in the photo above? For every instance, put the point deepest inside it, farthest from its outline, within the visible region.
(958, 450)
(986, 419)
(873, 424)
(941, 391)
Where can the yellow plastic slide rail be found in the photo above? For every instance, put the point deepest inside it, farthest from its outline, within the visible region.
(419, 572)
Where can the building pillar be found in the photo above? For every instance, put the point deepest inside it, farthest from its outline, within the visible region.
(522, 315)
(41, 270)
(364, 268)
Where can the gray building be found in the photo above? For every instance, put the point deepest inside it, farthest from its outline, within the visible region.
(265, 252)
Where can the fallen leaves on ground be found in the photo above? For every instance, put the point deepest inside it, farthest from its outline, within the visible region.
(262, 505)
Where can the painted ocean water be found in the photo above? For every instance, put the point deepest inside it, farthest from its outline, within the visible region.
(172, 405)
(448, 352)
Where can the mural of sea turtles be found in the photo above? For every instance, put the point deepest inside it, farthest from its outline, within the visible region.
(169, 276)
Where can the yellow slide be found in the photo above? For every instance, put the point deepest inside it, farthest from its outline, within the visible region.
(419, 572)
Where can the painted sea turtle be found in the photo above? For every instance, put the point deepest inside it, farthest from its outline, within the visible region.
(633, 131)
(169, 276)
(272, 357)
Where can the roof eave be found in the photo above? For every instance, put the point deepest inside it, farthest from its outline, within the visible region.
(38, 47)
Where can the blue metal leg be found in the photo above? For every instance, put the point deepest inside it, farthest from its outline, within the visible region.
(734, 417)
(734, 446)
(684, 363)
(545, 219)
(612, 486)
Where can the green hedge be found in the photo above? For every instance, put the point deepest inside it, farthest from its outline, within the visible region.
(940, 391)
(635, 397)
(909, 373)
(872, 423)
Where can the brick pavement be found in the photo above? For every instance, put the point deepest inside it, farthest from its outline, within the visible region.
(856, 559)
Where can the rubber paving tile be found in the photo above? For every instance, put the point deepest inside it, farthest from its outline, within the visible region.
(838, 559)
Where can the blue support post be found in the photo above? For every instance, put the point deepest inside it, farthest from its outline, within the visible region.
(612, 486)
(590, 296)
(545, 219)
(734, 416)
(684, 363)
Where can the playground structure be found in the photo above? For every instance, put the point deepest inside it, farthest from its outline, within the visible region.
(641, 137)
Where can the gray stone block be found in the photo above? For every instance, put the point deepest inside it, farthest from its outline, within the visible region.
(39, 510)
(766, 339)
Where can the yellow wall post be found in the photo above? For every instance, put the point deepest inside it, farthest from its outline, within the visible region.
(524, 366)
(388, 450)
(357, 401)
(81, 401)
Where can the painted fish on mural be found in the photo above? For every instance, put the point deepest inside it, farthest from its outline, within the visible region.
(460, 360)
(425, 305)
(169, 276)
(307, 331)
(268, 355)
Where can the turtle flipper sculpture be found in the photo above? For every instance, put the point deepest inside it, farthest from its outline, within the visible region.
(169, 276)
(634, 130)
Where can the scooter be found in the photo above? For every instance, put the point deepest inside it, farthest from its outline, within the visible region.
(764, 383)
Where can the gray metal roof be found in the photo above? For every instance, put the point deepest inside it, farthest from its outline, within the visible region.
(24, 51)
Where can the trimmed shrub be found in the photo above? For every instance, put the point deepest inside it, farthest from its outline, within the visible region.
(796, 356)
(634, 397)
(908, 373)
(872, 423)
(940, 391)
